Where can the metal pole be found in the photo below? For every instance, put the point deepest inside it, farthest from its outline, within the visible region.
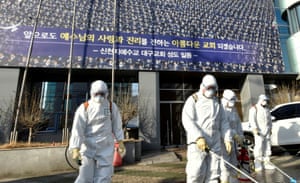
(65, 135)
(232, 166)
(292, 180)
(25, 72)
(113, 51)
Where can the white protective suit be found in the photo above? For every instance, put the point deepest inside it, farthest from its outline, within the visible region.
(204, 118)
(94, 131)
(261, 123)
(228, 175)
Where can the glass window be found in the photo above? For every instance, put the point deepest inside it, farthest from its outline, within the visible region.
(298, 14)
(294, 19)
(297, 111)
(54, 99)
(284, 34)
(284, 112)
(171, 95)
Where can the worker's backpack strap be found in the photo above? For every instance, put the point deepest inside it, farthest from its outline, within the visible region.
(86, 105)
(110, 106)
(255, 118)
(195, 97)
(254, 106)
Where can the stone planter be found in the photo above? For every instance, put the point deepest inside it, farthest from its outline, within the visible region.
(133, 151)
(28, 162)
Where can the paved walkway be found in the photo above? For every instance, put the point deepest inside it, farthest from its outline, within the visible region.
(166, 173)
(167, 168)
(158, 167)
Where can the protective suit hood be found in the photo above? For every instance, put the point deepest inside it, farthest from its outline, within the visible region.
(229, 98)
(208, 86)
(262, 98)
(209, 80)
(229, 95)
(98, 87)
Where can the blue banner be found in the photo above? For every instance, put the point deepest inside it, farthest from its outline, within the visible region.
(56, 42)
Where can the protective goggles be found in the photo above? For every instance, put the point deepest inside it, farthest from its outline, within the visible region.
(100, 93)
(233, 99)
(212, 87)
(267, 101)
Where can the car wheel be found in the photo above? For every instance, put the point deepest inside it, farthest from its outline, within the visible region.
(249, 141)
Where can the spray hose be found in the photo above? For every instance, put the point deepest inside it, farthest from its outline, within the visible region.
(67, 158)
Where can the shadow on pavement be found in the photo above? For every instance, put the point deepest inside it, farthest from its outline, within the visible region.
(64, 177)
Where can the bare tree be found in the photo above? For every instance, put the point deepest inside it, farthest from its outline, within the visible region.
(148, 122)
(6, 119)
(285, 93)
(32, 116)
(127, 105)
(146, 118)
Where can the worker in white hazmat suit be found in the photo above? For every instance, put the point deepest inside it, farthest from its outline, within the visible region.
(205, 125)
(261, 123)
(228, 174)
(95, 129)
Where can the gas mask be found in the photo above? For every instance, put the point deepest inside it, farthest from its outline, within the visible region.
(209, 93)
(99, 97)
(264, 103)
(230, 103)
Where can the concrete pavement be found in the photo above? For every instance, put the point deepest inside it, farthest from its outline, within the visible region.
(143, 171)
(166, 167)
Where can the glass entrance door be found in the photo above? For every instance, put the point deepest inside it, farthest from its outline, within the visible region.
(171, 130)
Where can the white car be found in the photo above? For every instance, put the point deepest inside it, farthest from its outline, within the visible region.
(285, 125)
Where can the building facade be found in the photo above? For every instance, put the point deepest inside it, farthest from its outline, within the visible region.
(158, 50)
(290, 12)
